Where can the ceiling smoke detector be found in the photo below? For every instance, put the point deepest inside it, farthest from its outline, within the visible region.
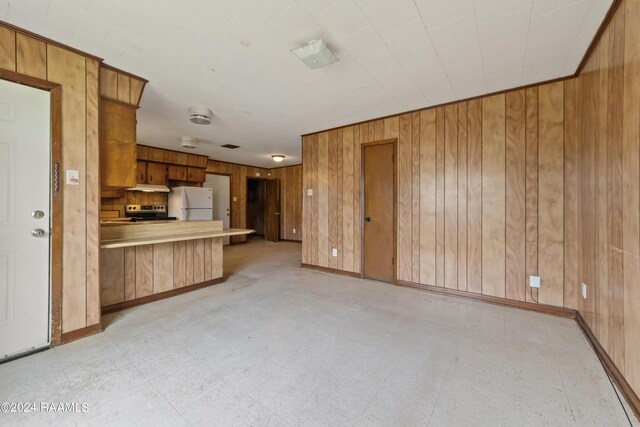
(200, 115)
(189, 142)
(315, 54)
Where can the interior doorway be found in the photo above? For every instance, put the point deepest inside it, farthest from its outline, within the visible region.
(379, 213)
(263, 208)
(221, 190)
(25, 218)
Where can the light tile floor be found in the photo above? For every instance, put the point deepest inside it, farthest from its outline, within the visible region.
(281, 345)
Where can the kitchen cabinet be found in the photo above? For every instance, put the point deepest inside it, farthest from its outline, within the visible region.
(196, 174)
(177, 173)
(118, 151)
(142, 172)
(156, 173)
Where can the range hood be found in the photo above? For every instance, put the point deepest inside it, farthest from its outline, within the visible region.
(149, 188)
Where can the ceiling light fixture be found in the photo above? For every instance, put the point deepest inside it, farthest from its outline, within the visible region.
(315, 54)
(200, 115)
(189, 142)
(278, 157)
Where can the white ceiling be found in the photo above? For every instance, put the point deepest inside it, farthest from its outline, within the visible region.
(233, 56)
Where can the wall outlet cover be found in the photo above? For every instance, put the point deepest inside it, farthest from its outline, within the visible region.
(534, 281)
(584, 291)
(309, 192)
(294, 231)
(334, 252)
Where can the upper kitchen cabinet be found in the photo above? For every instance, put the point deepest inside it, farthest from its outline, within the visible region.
(121, 86)
(117, 144)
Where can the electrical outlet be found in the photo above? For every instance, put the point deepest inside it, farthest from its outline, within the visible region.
(584, 291)
(294, 231)
(534, 281)
(309, 191)
(334, 252)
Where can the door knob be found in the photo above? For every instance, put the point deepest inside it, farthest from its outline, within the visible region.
(37, 214)
(38, 232)
(367, 218)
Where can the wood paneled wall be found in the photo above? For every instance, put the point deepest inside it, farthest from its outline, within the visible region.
(467, 218)
(239, 174)
(537, 181)
(78, 76)
(290, 201)
(604, 148)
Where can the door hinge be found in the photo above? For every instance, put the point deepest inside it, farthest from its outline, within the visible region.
(56, 177)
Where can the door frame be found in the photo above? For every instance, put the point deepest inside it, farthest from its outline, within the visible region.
(56, 191)
(393, 141)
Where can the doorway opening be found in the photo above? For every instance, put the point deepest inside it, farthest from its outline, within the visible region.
(263, 208)
(378, 189)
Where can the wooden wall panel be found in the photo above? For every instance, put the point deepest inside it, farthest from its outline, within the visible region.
(462, 196)
(112, 289)
(359, 133)
(179, 264)
(347, 199)
(404, 196)
(163, 267)
(333, 194)
(440, 199)
(129, 274)
(474, 206)
(7, 49)
(323, 200)
(68, 69)
(451, 196)
(493, 196)
(124, 88)
(630, 197)
(290, 178)
(571, 188)
(516, 282)
(427, 197)
(415, 197)
(31, 57)
(550, 181)
(144, 271)
(92, 185)
(109, 83)
(531, 237)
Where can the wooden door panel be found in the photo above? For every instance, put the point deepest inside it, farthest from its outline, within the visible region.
(142, 172)
(272, 210)
(156, 173)
(378, 170)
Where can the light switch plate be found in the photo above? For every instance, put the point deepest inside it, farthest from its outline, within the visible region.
(73, 177)
(309, 192)
(584, 291)
(257, 173)
(294, 231)
(334, 252)
(235, 199)
(534, 281)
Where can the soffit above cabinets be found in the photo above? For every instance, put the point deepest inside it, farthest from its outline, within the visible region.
(233, 56)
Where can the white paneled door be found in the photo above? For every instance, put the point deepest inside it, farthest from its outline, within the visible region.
(24, 218)
(221, 185)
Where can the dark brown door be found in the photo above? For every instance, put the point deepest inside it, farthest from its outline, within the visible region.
(377, 169)
(272, 210)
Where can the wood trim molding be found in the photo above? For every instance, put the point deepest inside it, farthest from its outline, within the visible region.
(159, 296)
(23, 79)
(49, 41)
(283, 167)
(67, 337)
(540, 308)
(331, 270)
(614, 373)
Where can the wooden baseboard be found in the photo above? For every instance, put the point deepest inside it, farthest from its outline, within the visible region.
(540, 308)
(614, 373)
(289, 240)
(156, 297)
(331, 270)
(67, 337)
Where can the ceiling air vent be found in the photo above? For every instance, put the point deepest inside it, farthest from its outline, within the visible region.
(230, 146)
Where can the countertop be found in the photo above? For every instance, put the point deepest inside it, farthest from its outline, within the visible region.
(138, 241)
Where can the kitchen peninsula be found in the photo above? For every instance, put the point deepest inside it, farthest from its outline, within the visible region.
(147, 261)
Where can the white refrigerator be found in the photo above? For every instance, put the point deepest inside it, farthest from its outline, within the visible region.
(191, 203)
